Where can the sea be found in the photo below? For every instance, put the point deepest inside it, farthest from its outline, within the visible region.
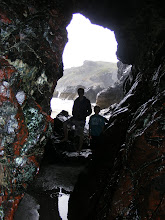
(57, 105)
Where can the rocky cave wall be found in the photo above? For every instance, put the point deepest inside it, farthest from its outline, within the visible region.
(32, 39)
(126, 180)
(128, 176)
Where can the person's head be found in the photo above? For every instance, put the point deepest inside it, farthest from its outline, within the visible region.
(80, 92)
(97, 109)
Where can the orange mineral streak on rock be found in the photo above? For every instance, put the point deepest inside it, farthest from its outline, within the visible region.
(1, 147)
(8, 200)
(1, 75)
(5, 74)
(145, 151)
(48, 118)
(153, 205)
(1, 199)
(154, 201)
(146, 164)
(149, 164)
(13, 207)
(7, 70)
(24, 185)
(10, 203)
(4, 19)
(22, 133)
(33, 159)
(124, 195)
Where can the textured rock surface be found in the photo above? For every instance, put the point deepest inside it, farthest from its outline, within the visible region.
(31, 46)
(141, 185)
(94, 76)
(114, 94)
(110, 96)
(126, 180)
(70, 92)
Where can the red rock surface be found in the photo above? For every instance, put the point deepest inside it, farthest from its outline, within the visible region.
(141, 183)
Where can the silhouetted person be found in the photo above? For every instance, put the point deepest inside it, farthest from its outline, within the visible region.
(96, 128)
(81, 109)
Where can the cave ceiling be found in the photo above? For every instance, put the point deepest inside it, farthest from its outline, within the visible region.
(130, 20)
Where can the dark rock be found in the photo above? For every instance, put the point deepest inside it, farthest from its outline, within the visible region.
(70, 92)
(110, 96)
(58, 121)
(125, 179)
(55, 94)
(114, 94)
(98, 74)
(91, 93)
(123, 71)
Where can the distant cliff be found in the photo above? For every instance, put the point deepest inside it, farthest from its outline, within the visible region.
(96, 75)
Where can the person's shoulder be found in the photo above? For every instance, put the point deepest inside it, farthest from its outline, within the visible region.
(86, 99)
(77, 99)
(102, 117)
(91, 117)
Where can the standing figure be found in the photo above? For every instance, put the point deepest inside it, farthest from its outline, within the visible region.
(81, 109)
(96, 128)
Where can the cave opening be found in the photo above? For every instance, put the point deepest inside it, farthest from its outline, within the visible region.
(104, 71)
(89, 61)
(88, 49)
(78, 56)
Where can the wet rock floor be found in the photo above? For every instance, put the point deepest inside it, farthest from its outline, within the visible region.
(47, 197)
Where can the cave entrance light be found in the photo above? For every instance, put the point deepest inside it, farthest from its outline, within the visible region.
(86, 42)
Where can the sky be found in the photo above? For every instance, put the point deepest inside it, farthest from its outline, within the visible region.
(87, 41)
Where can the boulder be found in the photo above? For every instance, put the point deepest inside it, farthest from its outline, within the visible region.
(91, 93)
(114, 94)
(110, 96)
(70, 92)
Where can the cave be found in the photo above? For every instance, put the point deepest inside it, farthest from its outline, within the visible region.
(126, 180)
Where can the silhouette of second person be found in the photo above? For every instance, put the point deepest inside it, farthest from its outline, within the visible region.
(96, 129)
(81, 109)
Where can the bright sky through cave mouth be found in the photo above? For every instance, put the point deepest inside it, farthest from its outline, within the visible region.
(87, 41)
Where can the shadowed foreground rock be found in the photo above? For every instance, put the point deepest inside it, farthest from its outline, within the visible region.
(31, 47)
(126, 177)
(141, 183)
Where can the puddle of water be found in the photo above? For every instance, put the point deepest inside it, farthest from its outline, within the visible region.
(52, 206)
(27, 209)
(63, 205)
(48, 200)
